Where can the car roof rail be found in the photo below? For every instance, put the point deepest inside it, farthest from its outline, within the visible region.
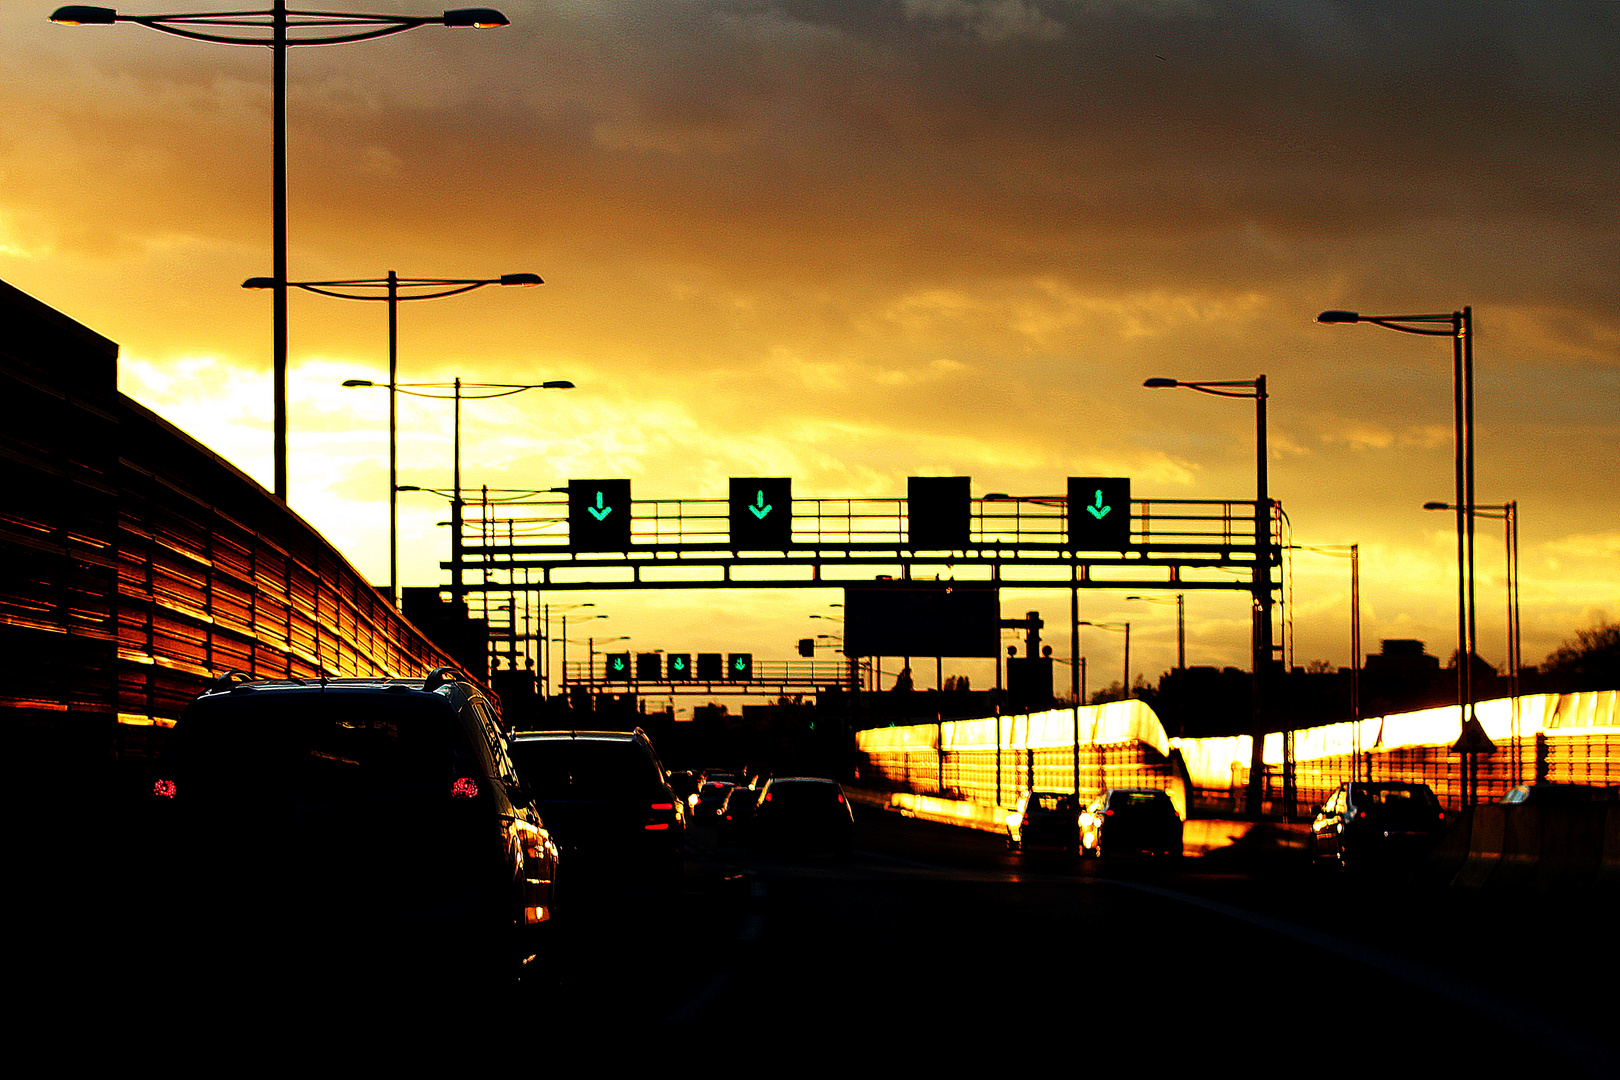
(438, 677)
(226, 681)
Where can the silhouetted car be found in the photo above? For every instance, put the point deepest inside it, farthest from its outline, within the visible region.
(805, 815)
(1124, 821)
(1368, 823)
(606, 798)
(1045, 821)
(711, 795)
(736, 817)
(345, 822)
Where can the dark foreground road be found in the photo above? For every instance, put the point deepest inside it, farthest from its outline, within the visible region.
(932, 949)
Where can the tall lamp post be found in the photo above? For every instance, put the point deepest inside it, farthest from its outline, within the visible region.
(1353, 553)
(1126, 627)
(545, 656)
(458, 391)
(1180, 601)
(1459, 327)
(415, 289)
(1264, 556)
(279, 30)
(1508, 513)
(564, 641)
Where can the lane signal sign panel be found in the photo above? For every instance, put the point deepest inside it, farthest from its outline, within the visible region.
(679, 666)
(599, 515)
(1099, 513)
(761, 512)
(649, 667)
(740, 667)
(618, 666)
(711, 666)
(939, 512)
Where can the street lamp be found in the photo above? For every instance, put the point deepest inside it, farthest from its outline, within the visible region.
(564, 641)
(1263, 556)
(279, 30)
(545, 657)
(1125, 626)
(456, 386)
(1508, 513)
(392, 284)
(1459, 327)
(1181, 623)
(1353, 552)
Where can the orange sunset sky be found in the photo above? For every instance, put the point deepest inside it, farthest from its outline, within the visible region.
(849, 241)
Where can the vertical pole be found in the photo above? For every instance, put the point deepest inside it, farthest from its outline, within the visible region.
(1355, 660)
(393, 438)
(457, 593)
(1467, 331)
(1262, 604)
(1074, 665)
(1460, 444)
(1513, 631)
(1126, 695)
(278, 228)
(1181, 631)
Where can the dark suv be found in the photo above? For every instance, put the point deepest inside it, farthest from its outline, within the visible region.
(606, 796)
(339, 823)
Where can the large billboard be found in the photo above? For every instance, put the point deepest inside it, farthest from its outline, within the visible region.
(922, 618)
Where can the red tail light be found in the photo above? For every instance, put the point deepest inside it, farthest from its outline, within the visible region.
(163, 789)
(465, 787)
(657, 811)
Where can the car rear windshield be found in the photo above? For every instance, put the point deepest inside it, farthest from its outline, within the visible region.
(1140, 800)
(794, 796)
(589, 770)
(1402, 802)
(317, 755)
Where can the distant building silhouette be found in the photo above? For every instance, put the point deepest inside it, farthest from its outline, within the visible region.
(1401, 676)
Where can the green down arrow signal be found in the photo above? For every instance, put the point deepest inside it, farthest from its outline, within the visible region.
(599, 511)
(759, 509)
(1098, 511)
(618, 665)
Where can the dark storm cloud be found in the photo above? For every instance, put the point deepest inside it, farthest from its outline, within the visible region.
(1159, 139)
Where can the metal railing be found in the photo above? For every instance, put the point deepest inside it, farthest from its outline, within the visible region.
(539, 525)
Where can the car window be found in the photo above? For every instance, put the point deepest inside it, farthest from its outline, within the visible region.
(1140, 800)
(585, 769)
(1402, 802)
(795, 796)
(320, 756)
